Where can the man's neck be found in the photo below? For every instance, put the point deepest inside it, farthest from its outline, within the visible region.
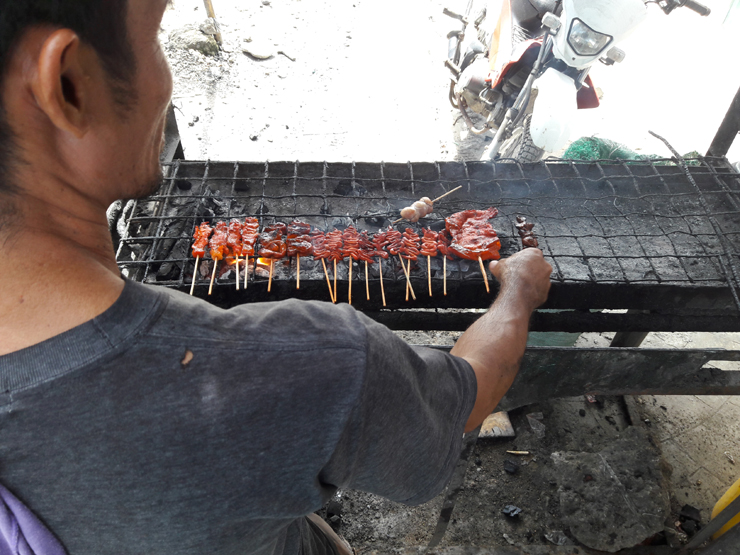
(58, 270)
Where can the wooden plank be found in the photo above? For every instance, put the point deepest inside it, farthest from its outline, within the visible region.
(555, 372)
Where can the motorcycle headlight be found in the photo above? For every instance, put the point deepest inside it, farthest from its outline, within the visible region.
(585, 41)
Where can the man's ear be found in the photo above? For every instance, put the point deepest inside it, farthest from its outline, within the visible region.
(60, 83)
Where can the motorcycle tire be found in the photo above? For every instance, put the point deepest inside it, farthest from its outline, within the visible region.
(520, 146)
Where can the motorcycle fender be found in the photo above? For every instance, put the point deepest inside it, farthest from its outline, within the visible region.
(554, 109)
(587, 97)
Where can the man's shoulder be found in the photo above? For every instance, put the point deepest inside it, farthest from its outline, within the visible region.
(287, 323)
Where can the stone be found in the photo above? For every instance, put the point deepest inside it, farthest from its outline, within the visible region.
(190, 37)
(257, 51)
(510, 466)
(612, 499)
(512, 511)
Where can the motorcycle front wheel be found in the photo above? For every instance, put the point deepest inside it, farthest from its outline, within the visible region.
(520, 146)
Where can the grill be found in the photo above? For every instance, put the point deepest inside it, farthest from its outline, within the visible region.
(659, 238)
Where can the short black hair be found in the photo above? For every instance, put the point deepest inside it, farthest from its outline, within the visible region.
(99, 23)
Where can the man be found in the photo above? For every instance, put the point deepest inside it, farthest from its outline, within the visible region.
(138, 420)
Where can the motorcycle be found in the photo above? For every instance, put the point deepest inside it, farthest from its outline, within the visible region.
(523, 65)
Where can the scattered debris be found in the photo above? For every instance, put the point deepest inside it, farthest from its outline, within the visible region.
(557, 537)
(497, 424)
(187, 358)
(730, 457)
(691, 513)
(518, 452)
(535, 422)
(582, 412)
(257, 52)
(508, 539)
(512, 511)
(284, 54)
(510, 466)
(591, 398)
(253, 137)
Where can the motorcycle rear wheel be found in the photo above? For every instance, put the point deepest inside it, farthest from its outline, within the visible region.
(520, 146)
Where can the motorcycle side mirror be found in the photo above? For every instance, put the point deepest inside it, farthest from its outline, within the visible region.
(552, 22)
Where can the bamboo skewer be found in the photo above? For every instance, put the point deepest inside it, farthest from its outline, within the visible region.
(367, 282)
(195, 273)
(435, 200)
(485, 277)
(444, 272)
(349, 298)
(335, 280)
(408, 279)
(429, 273)
(269, 283)
(447, 193)
(407, 284)
(246, 271)
(298, 271)
(382, 289)
(213, 276)
(328, 281)
(237, 272)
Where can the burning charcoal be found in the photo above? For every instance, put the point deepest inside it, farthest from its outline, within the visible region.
(512, 511)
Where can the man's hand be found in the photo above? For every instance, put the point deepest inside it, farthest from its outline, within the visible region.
(527, 273)
(494, 345)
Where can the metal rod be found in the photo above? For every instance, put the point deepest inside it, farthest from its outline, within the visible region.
(728, 129)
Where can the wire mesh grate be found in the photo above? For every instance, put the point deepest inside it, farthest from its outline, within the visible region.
(639, 224)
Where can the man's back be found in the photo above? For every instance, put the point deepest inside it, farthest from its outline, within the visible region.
(167, 425)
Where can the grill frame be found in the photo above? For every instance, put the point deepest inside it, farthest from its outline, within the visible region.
(674, 250)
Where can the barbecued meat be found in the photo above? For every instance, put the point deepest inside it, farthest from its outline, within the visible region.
(472, 236)
(418, 210)
(351, 243)
(367, 249)
(272, 241)
(457, 220)
(299, 239)
(443, 244)
(318, 241)
(429, 243)
(218, 243)
(250, 229)
(234, 238)
(526, 233)
(395, 241)
(334, 244)
(201, 235)
(411, 244)
(380, 241)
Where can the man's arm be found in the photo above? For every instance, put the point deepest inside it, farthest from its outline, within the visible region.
(495, 344)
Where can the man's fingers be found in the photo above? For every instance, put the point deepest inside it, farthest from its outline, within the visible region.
(492, 268)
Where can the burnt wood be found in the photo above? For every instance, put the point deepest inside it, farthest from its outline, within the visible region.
(555, 372)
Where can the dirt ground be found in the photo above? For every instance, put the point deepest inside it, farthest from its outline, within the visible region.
(363, 80)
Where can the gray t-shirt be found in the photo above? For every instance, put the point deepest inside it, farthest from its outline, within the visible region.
(167, 425)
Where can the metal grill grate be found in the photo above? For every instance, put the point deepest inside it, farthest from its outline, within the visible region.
(615, 233)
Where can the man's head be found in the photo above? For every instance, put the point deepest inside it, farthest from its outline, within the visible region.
(84, 89)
